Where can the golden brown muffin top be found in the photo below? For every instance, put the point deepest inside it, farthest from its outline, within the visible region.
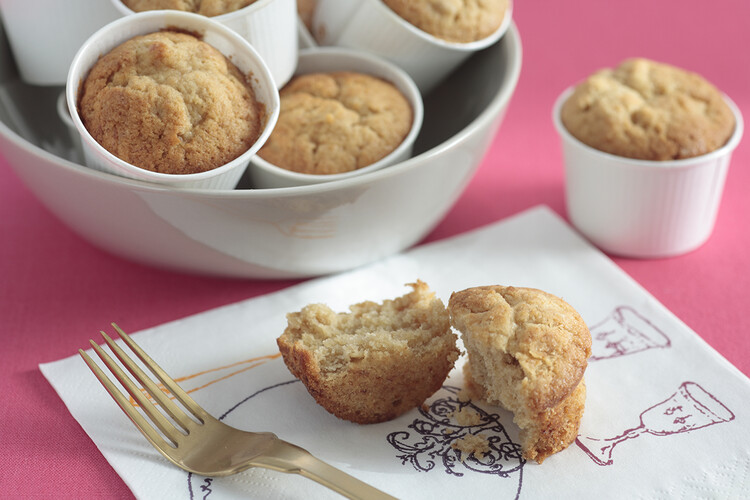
(169, 102)
(337, 122)
(539, 334)
(459, 21)
(208, 8)
(648, 110)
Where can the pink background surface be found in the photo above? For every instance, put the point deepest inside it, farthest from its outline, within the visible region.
(57, 291)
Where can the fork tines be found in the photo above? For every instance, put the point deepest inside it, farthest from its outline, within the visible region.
(173, 433)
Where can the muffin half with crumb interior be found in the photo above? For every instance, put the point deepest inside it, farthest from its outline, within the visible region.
(528, 352)
(375, 362)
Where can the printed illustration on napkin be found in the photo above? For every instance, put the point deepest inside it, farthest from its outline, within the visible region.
(448, 435)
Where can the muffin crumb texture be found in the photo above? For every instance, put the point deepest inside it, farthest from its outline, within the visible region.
(527, 352)
(375, 362)
(472, 444)
(648, 110)
(208, 8)
(459, 21)
(332, 123)
(171, 103)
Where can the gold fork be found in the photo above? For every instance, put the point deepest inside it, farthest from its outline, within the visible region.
(199, 443)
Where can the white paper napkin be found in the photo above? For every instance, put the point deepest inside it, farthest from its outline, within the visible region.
(666, 416)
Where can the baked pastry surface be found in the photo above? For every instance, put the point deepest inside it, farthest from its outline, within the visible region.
(527, 352)
(337, 122)
(648, 110)
(204, 7)
(460, 21)
(171, 103)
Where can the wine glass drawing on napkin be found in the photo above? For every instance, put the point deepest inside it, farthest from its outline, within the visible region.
(690, 408)
(625, 331)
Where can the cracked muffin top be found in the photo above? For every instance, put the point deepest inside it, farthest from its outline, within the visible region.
(647, 110)
(537, 341)
(170, 103)
(459, 21)
(337, 122)
(528, 352)
(208, 8)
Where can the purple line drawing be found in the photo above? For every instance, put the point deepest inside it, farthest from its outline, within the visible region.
(437, 431)
(623, 332)
(688, 409)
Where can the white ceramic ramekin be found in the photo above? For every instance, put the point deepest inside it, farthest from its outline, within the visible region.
(327, 59)
(372, 26)
(63, 113)
(641, 208)
(220, 37)
(44, 35)
(269, 25)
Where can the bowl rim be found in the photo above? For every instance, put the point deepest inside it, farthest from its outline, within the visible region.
(625, 162)
(500, 99)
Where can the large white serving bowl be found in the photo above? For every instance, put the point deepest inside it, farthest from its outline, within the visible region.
(266, 233)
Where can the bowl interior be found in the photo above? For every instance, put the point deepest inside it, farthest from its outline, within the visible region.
(30, 111)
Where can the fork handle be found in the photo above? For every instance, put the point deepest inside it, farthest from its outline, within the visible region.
(286, 457)
(341, 482)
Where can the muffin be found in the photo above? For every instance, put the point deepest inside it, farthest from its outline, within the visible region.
(647, 110)
(337, 122)
(208, 8)
(170, 103)
(375, 362)
(460, 21)
(527, 352)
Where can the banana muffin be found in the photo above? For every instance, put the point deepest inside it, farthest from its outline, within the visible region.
(527, 352)
(647, 110)
(375, 362)
(460, 21)
(337, 122)
(169, 102)
(208, 8)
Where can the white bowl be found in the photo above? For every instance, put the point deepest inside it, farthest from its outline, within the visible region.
(217, 35)
(267, 233)
(269, 25)
(44, 35)
(641, 208)
(264, 174)
(372, 26)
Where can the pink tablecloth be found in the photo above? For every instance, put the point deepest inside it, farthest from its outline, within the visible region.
(57, 291)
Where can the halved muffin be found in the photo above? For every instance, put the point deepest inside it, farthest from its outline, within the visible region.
(528, 351)
(375, 362)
